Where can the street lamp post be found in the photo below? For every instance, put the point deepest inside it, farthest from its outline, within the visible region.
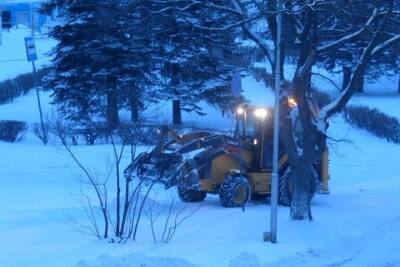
(272, 235)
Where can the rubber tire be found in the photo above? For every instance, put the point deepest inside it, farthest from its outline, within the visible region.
(229, 190)
(190, 195)
(285, 193)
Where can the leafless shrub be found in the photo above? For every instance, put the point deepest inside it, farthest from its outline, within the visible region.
(42, 132)
(121, 221)
(168, 218)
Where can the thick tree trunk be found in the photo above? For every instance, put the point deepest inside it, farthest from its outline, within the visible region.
(359, 83)
(176, 112)
(302, 178)
(346, 76)
(112, 110)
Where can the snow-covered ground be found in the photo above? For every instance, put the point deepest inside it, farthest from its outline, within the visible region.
(358, 224)
(13, 54)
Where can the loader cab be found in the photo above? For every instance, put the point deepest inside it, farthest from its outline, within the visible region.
(254, 128)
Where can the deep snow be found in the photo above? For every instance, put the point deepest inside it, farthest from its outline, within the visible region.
(358, 224)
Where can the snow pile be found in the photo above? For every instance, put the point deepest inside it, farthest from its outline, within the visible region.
(135, 260)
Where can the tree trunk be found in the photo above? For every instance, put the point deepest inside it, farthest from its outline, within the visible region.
(346, 76)
(134, 110)
(176, 112)
(359, 83)
(112, 110)
(302, 178)
(398, 85)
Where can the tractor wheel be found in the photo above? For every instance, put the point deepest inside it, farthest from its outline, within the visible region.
(234, 191)
(285, 186)
(190, 195)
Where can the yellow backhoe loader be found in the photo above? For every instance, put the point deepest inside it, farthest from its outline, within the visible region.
(234, 167)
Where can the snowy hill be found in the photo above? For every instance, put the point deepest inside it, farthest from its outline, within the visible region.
(13, 54)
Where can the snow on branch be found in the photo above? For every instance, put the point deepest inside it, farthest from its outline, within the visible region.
(227, 27)
(191, 4)
(252, 35)
(385, 44)
(370, 50)
(349, 37)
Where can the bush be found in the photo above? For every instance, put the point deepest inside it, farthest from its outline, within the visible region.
(374, 121)
(92, 132)
(11, 131)
(137, 134)
(20, 85)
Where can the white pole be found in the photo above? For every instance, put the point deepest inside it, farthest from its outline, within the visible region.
(272, 235)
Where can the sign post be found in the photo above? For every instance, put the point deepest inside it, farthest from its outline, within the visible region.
(272, 235)
(32, 57)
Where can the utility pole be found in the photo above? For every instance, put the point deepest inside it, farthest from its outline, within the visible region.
(272, 235)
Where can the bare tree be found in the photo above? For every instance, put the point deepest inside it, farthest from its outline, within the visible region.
(322, 28)
(99, 188)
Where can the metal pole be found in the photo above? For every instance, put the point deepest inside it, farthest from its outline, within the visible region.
(35, 85)
(32, 21)
(272, 235)
(39, 103)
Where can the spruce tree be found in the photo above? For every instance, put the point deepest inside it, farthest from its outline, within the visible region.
(100, 63)
(197, 65)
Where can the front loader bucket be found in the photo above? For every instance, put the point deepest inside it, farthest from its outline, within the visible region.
(153, 166)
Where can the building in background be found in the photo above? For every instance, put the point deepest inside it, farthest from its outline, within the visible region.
(23, 12)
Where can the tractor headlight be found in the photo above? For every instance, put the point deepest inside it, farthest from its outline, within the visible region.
(292, 102)
(261, 113)
(240, 111)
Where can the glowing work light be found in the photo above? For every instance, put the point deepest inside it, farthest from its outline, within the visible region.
(261, 113)
(292, 102)
(240, 111)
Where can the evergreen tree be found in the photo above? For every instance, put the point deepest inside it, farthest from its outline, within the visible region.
(196, 65)
(99, 65)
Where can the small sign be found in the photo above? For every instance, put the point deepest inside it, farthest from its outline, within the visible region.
(236, 86)
(30, 49)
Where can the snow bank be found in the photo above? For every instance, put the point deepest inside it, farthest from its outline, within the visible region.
(136, 260)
